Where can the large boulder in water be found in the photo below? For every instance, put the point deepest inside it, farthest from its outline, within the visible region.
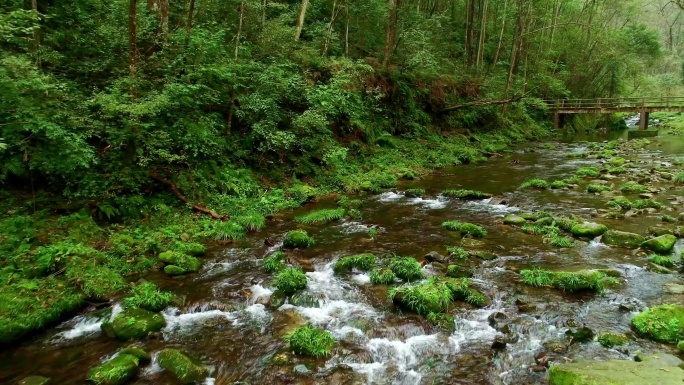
(662, 245)
(588, 230)
(133, 324)
(116, 371)
(663, 323)
(662, 369)
(623, 239)
(181, 366)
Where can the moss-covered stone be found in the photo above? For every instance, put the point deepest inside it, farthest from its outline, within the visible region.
(174, 270)
(456, 271)
(297, 239)
(588, 230)
(610, 339)
(133, 323)
(622, 239)
(663, 323)
(616, 372)
(181, 366)
(137, 352)
(512, 219)
(680, 346)
(429, 297)
(35, 380)
(662, 244)
(186, 262)
(116, 371)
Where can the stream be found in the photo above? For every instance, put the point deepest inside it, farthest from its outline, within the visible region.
(226, 319)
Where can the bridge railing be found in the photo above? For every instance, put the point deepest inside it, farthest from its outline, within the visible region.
(608, 103)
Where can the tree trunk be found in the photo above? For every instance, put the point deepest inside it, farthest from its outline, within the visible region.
(391, 32)
(514, 54)
(346, 31)
(470, 31)
(133, 37)
(229, 119)
(483, 32)
(503, 28)
(263, 14)
(337, 8)
(300, 19)
(164, 18)
(36, 34)
(191, 13)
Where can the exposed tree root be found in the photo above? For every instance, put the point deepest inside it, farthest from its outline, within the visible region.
(182, 198)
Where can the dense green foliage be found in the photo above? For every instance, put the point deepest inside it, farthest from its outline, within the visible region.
(290, 280)
(311, 341)
(148, 296)
(361, 262)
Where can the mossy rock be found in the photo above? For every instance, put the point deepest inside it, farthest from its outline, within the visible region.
(297, 239)
(116, 371)
(190, 248)
(35, 380)
(137, 352)
(277, 299)
(134, 323)
(663, 323)
(514, 220)
(610, 339)
(431, 296)
(680, 346)
(181, 366)
(456, 271)
(186, 262)
(174, 270)
(617, 372)
(661, 245)
(622, 239)
(588, 230)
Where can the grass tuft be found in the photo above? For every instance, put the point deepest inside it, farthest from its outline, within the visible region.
(633, 187)
(457, 252)
(382, 277)
(290, 280)
(311, 341)
(597, 188)
(321, 216)
(274, 263)
(535, 183)
(297, 239)
(661, 260)
(148, 296)
(452, 225)
(406, 268)
(568, 281)
(588, 172)
(362, 262)
(473, 230)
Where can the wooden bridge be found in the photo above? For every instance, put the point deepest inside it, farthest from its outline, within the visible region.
(643, 106)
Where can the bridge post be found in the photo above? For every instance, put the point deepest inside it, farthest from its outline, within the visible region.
(556, 120)
(643, 119)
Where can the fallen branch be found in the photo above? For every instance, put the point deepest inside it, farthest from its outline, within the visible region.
(182, 198)
(481, 103)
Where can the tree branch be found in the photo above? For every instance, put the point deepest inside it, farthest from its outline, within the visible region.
(182, 198)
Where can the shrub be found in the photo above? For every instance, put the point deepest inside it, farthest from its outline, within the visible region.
(588, 172)
(406, 268)
(274, 263)
(429, 297)
(679, 178)
(535, 183)
(297, 238)
(457, 252)
(558, 184)
(646, 204)
(149, 297)
(382, 276)
(559, 241)
(452, 225)
(663, 323)
(290, 280)
(310, 341)
(597, 188)
(474, 230)
(321, 216)
(251, 221)
(618, 161)
(633, 187)
(362, 262)
(661, 260)
(568, 281)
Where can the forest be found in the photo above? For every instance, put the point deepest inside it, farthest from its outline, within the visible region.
(136, 133)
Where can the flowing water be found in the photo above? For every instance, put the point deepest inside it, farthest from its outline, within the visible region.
(226, 320)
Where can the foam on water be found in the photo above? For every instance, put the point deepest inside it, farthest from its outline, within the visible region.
(81, 326)
(259, 292)
(353, 227)
(186, 322)
(361, 279)
(390, 196)
(488, 206)
(215, 268)
(439, 202)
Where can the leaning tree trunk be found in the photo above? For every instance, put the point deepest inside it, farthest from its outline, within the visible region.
(391, 32)
(300, 19)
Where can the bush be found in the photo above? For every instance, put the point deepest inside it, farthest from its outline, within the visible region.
(633, 187)
(382, 276)
(457, 252)
(406, 268)
(321, 216)
(646, 204)
(452, 225)
(148, 296)
(661, 260)
(535, 183)
(311, 341)
(568, 281)
(597, 188)
(274, 263)
(429, 297)
(474, 230)
(290, 280)
(588, 172)
(663, 323)
(297, 239)
(362, 262)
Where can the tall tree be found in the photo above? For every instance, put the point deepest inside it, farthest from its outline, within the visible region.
(391, 34)
(133, 37)
(300, 19)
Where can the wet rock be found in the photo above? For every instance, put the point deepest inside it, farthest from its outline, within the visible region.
(611, 272)
(512, 219)
(133, 324)
(538, 368)
(631, 304)
(457, 271)
(674, 288)
(524, 306)
(472, 243)
(343, 374)
(181, 366)
(660, 231)
(546, 221)
(588, 230)
(434, 256)
(610, 339)
(301, 370)
(484, 255)
(580, 335)
(116, 371)
(35, 380)
(182, 262)
(530, 216)
(137, 352)
(655, 370)
(543, 359)
(499, 343)
(495, 319)
(622, 239)
(304, 300)
(661, 245)
(556, 347)
(646, 196)
(663, 323)
(277, 299)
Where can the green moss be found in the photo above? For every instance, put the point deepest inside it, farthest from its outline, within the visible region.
(452, 225)
(679, 178)
(297, 239)
(414, 192)
(680, 346)
(95, 278)
(290, 280)
(622, 239)
(473, 230)
(616, 170)
(173, 270)
(668, 218)
(461, 291)
(661, 245)
(633, 187)
(431, 296)
(535, 183)
(617, 161)
(466, 194)
(661, 260)
(565, 223)
(185, 369)
(406, 268)
(321, 216)
(382, 276)
(116, 371)
(457, 271)
(610, 339)
(133, 323)
(457, 252)
(559, 241)
(362, 262)
(137, 352)
(616, 372)
(559, 184)
(663, 323)
(148, 296)
(186, 262)
(597, 188)
(274, 263)
(620, 202)
(588, 230)
(588, 172)
(311, 341)
(189, 248)
(646, 204)
(568, 281)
